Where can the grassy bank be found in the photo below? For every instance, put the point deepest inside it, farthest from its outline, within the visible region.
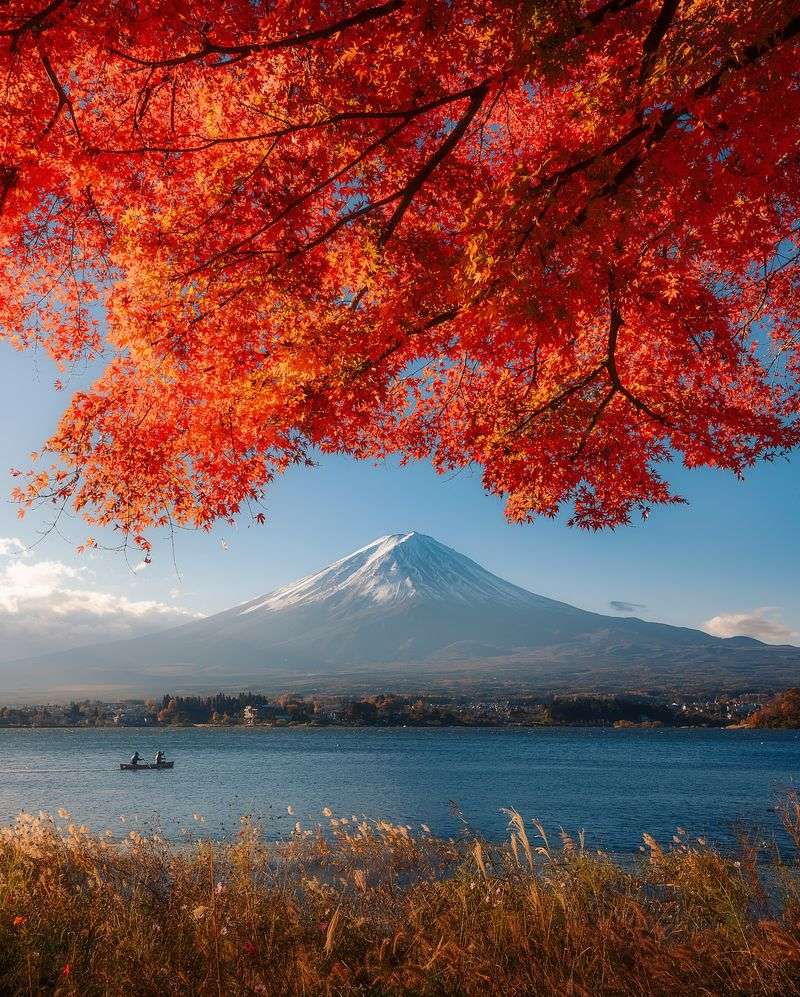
(372, 908)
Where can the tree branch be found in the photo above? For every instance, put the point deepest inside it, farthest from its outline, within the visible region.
(597, 17)
(557, 400)
(452, 140)
(406, 114)
(667, 120)
(405, 194)
(432, 323)
(655, 36)
(596, 416)
(36, 22)
(63, 98)
(238, 52)
(750, 54)
(614, 326)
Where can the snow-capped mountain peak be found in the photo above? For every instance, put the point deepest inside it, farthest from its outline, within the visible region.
(398, 568)
(401, 612)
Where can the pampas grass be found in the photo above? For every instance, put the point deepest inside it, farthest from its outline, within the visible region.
(371, 907)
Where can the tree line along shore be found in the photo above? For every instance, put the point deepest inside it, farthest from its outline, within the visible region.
(248, 709)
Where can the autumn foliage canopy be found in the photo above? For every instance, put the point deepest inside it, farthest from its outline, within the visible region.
(555, 240)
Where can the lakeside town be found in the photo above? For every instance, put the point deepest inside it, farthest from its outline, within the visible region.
(249, 709)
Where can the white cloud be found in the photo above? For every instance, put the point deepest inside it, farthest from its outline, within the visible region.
(11, 547)
(49, 605)
(763, 623)
(21, 582)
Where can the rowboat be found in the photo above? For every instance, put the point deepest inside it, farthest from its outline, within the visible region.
(126, 766)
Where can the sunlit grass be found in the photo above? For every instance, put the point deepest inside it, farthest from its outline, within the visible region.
(371, 907)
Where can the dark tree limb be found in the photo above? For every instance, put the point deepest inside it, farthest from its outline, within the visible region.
(238, 52)
(416, 182)
(655, 36)
(63, 99)
(36, 22)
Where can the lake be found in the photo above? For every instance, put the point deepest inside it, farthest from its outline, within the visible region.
(615, 784)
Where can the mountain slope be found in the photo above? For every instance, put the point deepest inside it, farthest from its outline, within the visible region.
(408, 608)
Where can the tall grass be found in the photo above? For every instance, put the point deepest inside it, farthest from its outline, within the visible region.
(372, 908)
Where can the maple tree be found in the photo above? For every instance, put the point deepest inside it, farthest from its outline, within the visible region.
(555, 240)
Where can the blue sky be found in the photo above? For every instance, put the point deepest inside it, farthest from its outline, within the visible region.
(730, 556)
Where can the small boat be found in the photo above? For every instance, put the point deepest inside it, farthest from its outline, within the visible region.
(126, 766)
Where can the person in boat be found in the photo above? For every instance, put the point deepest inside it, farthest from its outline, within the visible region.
(160, 759)
(135, 758)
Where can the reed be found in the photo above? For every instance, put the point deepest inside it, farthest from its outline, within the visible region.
(371, 907)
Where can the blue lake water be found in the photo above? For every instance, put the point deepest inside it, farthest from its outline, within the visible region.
(614, 784)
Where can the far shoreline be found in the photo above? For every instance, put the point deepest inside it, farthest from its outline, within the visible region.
(622, 728)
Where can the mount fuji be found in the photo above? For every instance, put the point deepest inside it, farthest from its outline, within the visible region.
(407, 611)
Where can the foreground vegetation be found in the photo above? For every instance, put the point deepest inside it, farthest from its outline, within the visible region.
(373, 908)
